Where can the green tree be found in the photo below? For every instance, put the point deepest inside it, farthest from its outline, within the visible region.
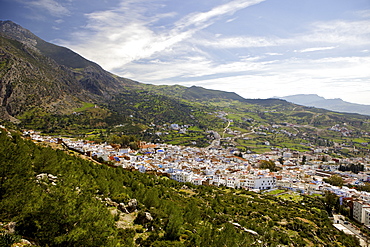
(151, 198)
(192, 212)
(304, 159)
(269, 164)
(174, 225)
(331, 201)
(335, 180)
(281, 160)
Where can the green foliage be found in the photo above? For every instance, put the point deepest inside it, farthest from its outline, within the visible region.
(84, 107)
(174, 224)
(66, 212)
(269, 164)
(7, 240)
(355, 168)
(331, 201)
(335, 180)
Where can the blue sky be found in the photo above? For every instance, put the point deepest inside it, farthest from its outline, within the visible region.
(256, 48)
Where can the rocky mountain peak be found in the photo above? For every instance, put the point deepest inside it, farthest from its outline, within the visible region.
(17, 32)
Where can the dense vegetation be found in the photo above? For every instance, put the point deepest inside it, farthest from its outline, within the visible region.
(67, 207)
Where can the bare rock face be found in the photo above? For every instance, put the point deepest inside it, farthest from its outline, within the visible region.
(110, 203)
(132, 205)
(22, 242)
(143, 218)
(35, 73)
(122, 208)
(15, 31)
(10, 227)
(29, 79)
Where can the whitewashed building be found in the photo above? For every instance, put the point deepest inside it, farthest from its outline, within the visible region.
(359, 208)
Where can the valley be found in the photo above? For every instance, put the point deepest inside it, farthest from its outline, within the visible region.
(88, 158)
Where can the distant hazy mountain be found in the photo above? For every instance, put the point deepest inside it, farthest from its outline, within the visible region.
(328, 104)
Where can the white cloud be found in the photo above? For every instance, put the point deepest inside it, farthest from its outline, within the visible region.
(340, 32)
(238, 42)
(274, 54)
(364, 13)
(340, 77)
(331, 33)
(133, 46)
(52, 6)
(129, 37)
(315, 49)
(202, 19)
(231, 20)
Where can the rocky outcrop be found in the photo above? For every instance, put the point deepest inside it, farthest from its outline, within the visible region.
(35, 73)
(132, 205)
(29, 79)
(129, 208)
(143, 218)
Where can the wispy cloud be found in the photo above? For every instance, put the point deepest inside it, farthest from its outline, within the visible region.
(364, 13)
(353, 33)
(340, 32)
(127, 41)
(53, 7)
(130, 36)
(273, 54)
(239, 42)
(254, 77)
(231, 20)
(312, 49)
(205, 19)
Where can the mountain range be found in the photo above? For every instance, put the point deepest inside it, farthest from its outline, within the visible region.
(55, 90)
(338, 105)
(38, 74)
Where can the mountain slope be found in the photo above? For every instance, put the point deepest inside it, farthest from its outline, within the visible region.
(29, 79)
(329, 104)
(36, 73)
(61, 55)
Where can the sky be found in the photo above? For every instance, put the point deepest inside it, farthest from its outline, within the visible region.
(256, 48)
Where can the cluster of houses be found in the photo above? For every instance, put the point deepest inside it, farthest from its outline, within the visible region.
(212, 166)
(224, 167)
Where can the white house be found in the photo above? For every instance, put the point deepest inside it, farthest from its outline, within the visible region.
(367, 217)
(359, 208)
(259, 182)
(182, 176)
(232, 182)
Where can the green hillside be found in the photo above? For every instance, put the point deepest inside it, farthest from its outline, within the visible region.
(74, 204)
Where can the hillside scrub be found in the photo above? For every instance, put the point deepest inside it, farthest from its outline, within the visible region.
(68, 206)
